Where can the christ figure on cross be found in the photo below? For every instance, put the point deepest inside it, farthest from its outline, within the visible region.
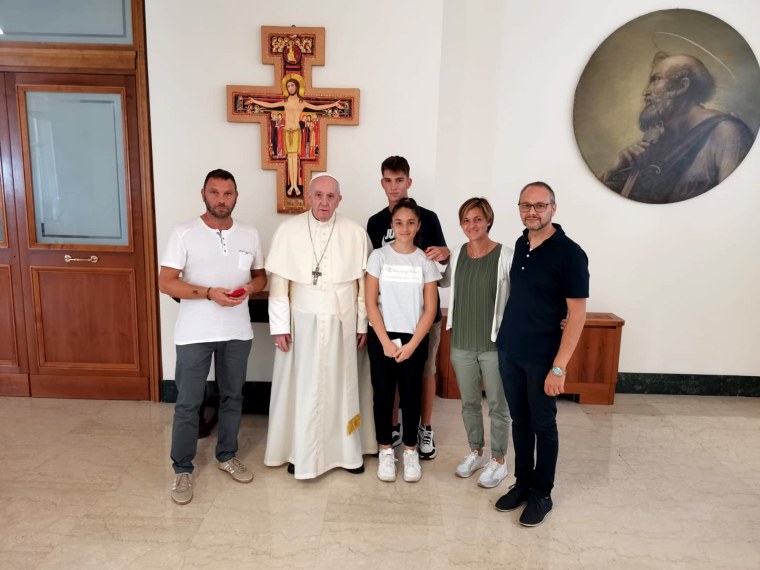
(294, 105)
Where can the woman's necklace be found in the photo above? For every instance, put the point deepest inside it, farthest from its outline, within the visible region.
(474, 254)
(316, 273)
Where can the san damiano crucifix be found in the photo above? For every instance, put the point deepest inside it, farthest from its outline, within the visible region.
(293, 115)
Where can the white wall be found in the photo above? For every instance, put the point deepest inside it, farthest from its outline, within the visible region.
(682, 275)
(478, 96)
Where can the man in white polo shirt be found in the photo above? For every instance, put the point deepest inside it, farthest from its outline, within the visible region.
(213, 263)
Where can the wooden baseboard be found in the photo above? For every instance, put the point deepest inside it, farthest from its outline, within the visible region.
(109, 388)
(14, 385)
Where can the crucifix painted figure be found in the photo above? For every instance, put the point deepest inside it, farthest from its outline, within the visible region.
(294, 105)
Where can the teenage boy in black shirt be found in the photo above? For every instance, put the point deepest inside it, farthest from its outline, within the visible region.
(396, 182)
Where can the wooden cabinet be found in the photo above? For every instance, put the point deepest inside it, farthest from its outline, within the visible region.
(593, 369)
(445, 378)
(591, 373)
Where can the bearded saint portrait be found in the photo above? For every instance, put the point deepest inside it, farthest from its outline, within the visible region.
(696, 120)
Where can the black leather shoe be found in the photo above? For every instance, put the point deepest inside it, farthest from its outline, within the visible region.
(291, 468)
(516, 497)
(358, 471)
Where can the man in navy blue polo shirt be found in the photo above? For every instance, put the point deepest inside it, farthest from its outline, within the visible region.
(549, 280)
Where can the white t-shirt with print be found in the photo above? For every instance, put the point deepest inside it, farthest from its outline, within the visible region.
(213, 258)
(402, 280)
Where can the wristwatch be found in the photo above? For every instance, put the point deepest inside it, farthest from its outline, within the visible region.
(557, 371)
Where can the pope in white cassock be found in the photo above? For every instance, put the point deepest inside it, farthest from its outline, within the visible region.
(317, 317)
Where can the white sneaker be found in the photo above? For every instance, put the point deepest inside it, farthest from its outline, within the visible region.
(493, 474)
(412, 469)
(471, 463)
(386, 466)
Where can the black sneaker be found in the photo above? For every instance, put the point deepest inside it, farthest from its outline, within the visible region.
(536, 510)
(356, 470)
(426, 442)
(516, 497)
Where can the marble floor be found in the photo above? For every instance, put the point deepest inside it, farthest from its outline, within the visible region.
(651, 482)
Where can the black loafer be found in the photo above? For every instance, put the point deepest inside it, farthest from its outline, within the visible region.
(358, 471)
(291, 468)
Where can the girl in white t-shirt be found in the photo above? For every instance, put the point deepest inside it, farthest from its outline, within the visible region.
(401, 297)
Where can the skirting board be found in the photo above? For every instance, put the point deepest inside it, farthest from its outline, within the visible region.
(256, 394)
(688, 384)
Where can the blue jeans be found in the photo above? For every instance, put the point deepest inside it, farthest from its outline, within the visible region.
(534, 423)
(193, 365)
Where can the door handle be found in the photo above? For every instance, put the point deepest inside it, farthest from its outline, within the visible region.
(92, 259)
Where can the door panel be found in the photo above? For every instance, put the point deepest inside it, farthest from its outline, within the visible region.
(85, 318)
(8, 351)
(78, 208)
(74, 154)
(14, 369)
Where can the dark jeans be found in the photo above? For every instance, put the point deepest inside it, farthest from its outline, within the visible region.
(386, 375)
(534, 423)
(193, 365)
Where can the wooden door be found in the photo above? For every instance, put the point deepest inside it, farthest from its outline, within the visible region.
(78, 209)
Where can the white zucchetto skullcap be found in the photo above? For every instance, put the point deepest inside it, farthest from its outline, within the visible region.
(321, 174)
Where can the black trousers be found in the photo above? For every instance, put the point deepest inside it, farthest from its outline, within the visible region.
(386, 375)
(534, 423)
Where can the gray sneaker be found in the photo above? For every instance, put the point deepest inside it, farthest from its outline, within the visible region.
(237, 470)
(182, 490)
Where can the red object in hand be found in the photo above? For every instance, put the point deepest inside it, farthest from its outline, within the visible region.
(237, 292)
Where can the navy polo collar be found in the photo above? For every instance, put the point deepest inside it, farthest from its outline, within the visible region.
(558, 234)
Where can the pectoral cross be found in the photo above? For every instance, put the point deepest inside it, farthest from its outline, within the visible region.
(317, 274)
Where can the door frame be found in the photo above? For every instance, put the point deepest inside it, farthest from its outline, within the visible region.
(108, 60)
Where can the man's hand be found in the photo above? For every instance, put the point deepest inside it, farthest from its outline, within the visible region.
(282, 341)
(221, 296)
(631, 157)
(438, 253)
(634, 156)
(554, 385)
(361, 340)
